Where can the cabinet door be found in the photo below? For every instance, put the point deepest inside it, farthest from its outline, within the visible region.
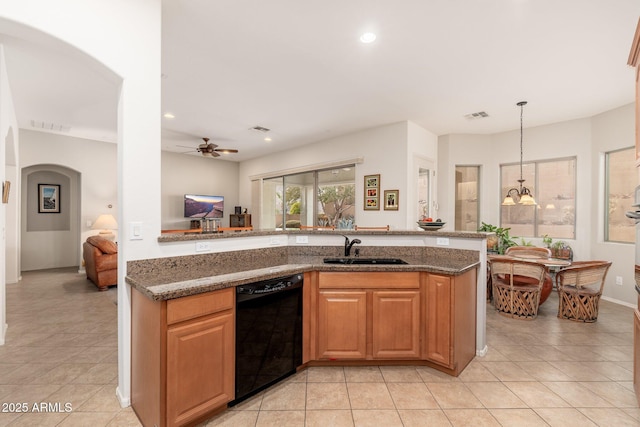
(342, 324)
(396, 324)
(438, 327)
(200, 367)
(636, 354)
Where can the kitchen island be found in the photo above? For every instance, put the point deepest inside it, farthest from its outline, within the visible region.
(421, 312)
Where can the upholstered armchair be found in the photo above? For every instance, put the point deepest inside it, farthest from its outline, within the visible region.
(101, 261)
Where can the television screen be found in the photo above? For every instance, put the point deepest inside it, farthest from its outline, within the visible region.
(197, 206)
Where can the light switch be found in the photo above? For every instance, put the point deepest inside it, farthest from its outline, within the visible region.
(136, 231)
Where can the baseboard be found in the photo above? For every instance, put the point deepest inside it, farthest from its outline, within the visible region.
(619, 302)
(4, 333)
(483, 352)
(124, 401)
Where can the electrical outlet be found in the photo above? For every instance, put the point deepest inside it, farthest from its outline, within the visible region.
(302, 239)
(203, 246)
(442, 241)
(619, 280)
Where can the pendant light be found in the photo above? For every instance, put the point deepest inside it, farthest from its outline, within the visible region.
(522, 193)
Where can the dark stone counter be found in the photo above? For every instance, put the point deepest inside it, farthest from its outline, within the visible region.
(175, 277)
(185, 237)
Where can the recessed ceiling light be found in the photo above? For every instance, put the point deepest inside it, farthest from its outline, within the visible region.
(169, 116)
(267, 139)
(367, 38)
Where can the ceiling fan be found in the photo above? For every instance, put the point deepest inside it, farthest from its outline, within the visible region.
(209, 149)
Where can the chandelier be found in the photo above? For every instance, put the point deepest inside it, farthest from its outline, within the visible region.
(522, 193)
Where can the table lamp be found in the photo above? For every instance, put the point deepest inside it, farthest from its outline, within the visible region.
(105, 223)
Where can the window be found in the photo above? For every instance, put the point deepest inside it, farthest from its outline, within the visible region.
(553, 185)
(619, 195)
(322, 197)
(467, 206)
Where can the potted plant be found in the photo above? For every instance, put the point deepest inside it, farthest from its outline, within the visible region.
(501, 241)
(561, 250)
(547, 241)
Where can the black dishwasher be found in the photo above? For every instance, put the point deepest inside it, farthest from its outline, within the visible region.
(268, 333)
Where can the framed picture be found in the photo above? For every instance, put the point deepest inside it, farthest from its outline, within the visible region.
(372, 192)
(48, 198)
(391, 199)
(6, 188)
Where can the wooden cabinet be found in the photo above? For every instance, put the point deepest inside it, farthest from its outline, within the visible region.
(342, 324)
(199, 360)
(395, 316)
(241, 220)
(396, 324)
(438, 324)
(450, 333)
(368, 315)
(182, 357)
(636, 352)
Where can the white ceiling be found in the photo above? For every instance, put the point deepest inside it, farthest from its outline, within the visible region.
(299, 69)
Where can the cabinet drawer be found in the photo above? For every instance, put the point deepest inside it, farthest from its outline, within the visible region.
(369, 280)
(186, 308)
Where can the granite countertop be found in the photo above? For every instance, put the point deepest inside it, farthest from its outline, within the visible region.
(182, 237)
(169, 278)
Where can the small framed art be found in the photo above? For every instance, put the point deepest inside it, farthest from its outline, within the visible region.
(391, 199)
(48, 198)
(372, 192)
(6, 188)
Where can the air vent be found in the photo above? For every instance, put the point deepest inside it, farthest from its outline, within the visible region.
(38, 124)
(260, 129)
(478, 115)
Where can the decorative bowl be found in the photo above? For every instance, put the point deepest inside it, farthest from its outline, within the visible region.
(431, 225)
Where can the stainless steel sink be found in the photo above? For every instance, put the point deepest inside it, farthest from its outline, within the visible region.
(368, 261)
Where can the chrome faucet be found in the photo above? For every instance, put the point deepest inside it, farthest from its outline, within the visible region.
(348, 244)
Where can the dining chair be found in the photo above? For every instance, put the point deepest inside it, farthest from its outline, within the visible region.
(317, 227)
(580, 288)
(223, 229)
(512, 295)
(358, 227)
(528, 252)
(534, 252)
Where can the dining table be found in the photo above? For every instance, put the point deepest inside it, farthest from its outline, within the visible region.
(553, 265)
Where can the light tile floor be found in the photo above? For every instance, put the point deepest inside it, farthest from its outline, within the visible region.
(61, 348)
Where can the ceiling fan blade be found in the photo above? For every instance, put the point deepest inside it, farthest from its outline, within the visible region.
(226, 150)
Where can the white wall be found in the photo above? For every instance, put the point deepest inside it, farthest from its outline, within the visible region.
(384, 151)
(96, 163)
(185, 174)
(583, 138)
(122, 40)
(610, 131)
(8, 140)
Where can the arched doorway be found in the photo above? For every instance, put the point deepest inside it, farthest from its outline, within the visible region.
(49, 237)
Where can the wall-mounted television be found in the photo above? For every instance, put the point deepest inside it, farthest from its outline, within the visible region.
(198, 206)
